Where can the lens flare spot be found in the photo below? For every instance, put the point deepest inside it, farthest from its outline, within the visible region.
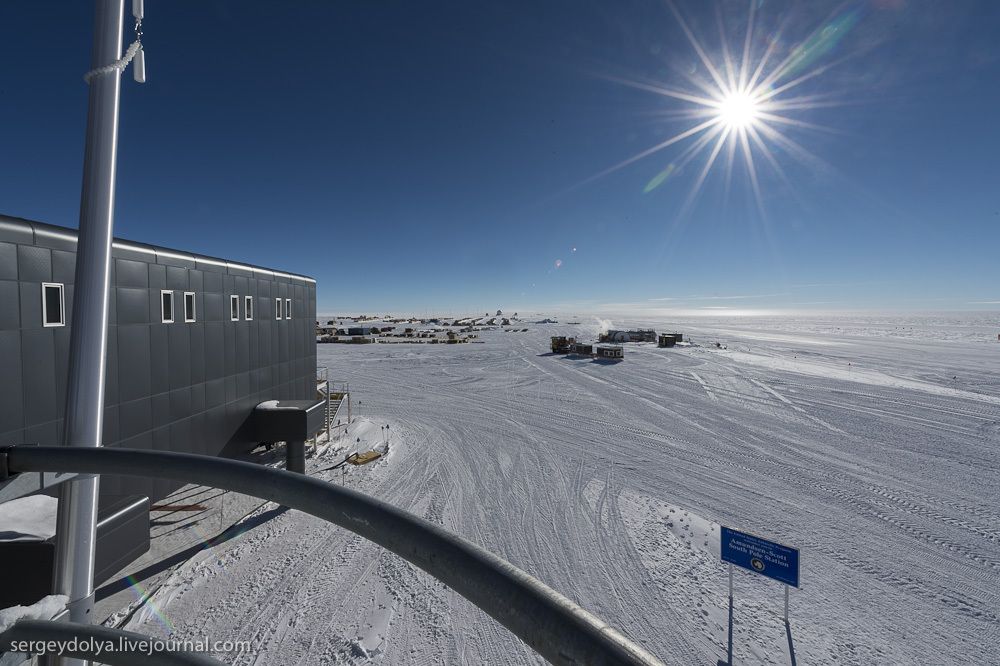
(823, 41)
(558, 263)
(208, 545)
(661, 178)
(146, 600)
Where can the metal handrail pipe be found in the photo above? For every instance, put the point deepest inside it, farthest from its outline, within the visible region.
(555, 627)
(88, 641)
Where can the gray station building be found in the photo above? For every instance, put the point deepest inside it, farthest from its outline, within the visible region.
(194, 345)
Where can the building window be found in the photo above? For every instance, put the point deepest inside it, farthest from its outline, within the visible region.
(277, 308)
(248, 308)
(53, 308)
(288, 308)
(234, 308)
(189, 306)
(167, 306)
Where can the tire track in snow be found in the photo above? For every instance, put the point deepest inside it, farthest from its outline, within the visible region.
(846, 496)
(741, 457)
(792, 405)
(792, 477)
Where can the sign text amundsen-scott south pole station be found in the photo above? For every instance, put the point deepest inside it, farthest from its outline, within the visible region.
(768, 558)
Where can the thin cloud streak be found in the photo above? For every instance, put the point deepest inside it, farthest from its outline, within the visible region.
(841, 284)
(715, 298)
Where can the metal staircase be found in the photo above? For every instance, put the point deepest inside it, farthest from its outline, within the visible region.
(335, 394)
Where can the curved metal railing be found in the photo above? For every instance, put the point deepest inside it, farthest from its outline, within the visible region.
(556, 628)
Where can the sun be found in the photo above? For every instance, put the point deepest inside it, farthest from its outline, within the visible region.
(738, 110)
(741, 103)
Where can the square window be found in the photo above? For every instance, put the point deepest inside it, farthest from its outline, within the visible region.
(53, 305)
(167, 306)
(288, 308)
(189, 314)
(277, 308)
(234, 308)
(248, 308)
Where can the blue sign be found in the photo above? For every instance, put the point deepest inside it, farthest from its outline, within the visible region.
(769, 558)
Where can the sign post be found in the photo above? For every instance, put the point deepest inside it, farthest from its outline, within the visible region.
(729, 661)
(768, 558)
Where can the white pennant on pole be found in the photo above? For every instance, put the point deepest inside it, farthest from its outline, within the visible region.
(139, 66)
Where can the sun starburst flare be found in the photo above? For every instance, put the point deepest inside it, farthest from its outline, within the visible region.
(739, 109)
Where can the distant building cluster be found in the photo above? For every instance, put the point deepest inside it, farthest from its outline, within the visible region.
(610, 343)
(642, 335)
(426, 330)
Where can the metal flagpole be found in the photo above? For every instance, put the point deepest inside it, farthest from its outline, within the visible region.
(73, 573)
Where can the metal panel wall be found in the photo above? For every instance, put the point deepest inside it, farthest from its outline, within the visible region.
(181, 386)
(31, 305)
(38, 376)
(63, 266)
(157, 276)
(11, 393)
(10, 305)
(34, 264)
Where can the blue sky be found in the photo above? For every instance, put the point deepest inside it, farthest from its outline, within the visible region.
(457, 157)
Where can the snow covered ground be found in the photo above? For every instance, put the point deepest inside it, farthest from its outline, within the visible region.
(871, 442)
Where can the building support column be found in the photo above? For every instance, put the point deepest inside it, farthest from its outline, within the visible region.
(295, 457)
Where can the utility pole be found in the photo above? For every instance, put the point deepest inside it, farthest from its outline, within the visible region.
(73, 574)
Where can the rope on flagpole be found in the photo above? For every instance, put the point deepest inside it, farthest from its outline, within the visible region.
(133, 51)
(120, 65)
